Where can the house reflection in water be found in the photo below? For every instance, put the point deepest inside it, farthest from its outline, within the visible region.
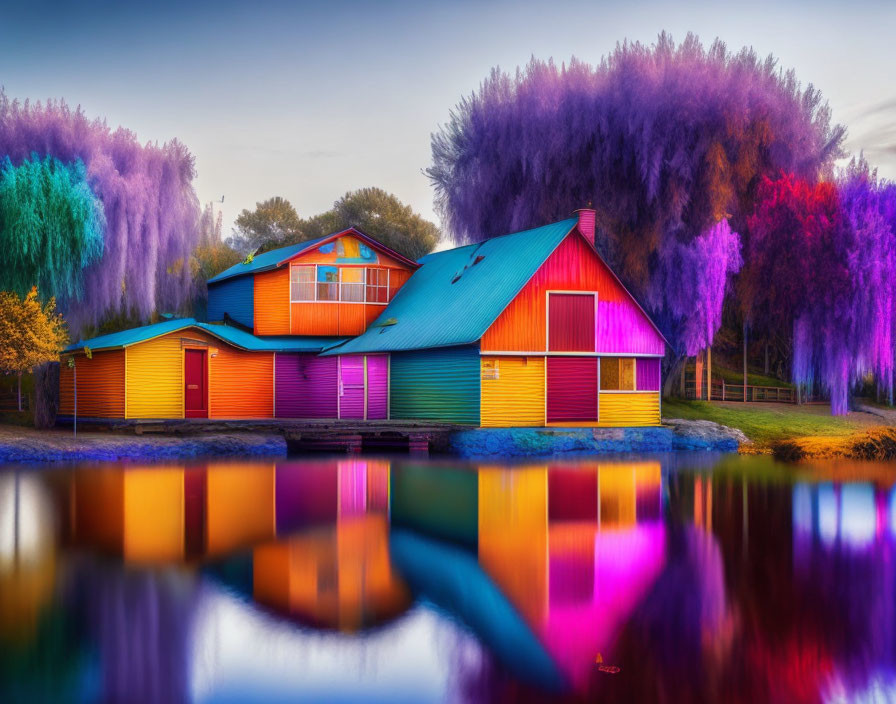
(572, 548)
(557, 555)
(338, 574)
(585, 544)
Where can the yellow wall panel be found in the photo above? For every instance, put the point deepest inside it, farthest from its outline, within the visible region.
(512, 391)
(155, 377)
(154, 514)
(628, 409)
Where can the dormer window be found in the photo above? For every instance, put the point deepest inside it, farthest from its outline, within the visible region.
(346, 284)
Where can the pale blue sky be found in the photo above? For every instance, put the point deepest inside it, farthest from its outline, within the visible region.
(309, 100)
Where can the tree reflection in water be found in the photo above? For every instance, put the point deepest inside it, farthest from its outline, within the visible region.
(734, 580)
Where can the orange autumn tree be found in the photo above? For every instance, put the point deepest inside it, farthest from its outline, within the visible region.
(31, 333)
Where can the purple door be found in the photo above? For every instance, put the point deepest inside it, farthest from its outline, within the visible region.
(305, 386)
(377, 387)
(351, 386)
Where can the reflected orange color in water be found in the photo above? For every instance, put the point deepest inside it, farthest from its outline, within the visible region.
(336, 577)
(240, 506)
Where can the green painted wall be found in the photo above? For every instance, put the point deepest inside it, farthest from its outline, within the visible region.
(442, 502)
(439, 384)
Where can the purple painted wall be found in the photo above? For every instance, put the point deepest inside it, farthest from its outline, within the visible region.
(305, 494)
(377, 386)
(647, 374)
(623, 329)
(351, 386)
(305, 386)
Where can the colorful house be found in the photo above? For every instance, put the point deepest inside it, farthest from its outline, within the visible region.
(334, 285)
(526, 329)
(186, 369)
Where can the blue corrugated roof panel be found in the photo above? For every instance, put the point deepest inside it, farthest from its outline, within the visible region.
(227, 333)
(265, 260)
(457, 294)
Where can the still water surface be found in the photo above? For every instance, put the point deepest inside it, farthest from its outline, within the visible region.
(639, 579)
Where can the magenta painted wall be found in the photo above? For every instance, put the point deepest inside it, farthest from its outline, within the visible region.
(351, 386)
(352, 488)
(377, 387)
(305, 386)
(647, 374)
(572, 389)
(623, 329)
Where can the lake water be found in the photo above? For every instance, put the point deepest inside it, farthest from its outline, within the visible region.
(675, 579)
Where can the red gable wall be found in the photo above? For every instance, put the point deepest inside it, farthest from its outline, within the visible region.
(621, 327)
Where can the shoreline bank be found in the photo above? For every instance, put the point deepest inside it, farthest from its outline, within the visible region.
(27, 445)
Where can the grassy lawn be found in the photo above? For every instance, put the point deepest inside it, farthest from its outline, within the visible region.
(766, 423)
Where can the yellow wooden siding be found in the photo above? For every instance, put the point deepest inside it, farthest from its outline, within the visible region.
(155, 377)
(627, 409)
(512, 391)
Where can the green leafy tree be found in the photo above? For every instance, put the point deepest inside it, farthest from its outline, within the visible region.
(382, 216)
(273, 223)
(51, 226)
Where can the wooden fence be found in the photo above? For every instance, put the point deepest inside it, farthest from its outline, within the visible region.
(723, 391)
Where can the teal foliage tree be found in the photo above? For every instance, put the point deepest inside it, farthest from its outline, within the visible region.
(51, 227)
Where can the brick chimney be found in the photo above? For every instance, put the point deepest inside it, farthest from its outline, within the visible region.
(586, 222)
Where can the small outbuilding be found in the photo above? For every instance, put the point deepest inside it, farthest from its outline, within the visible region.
(183, 368)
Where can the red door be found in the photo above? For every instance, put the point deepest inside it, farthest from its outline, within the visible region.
(572, 389)
(351, 386)
(195, 384)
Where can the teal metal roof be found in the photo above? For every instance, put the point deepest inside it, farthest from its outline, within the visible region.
(231, 335)
(457, 294)
(265, 260)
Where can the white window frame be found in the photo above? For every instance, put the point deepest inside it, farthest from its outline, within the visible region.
(340, 284)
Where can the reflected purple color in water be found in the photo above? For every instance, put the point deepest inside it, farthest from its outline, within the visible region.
(392, 580)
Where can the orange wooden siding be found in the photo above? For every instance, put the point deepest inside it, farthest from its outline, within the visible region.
(571, 267)
(100, 385)
(241, 384)
(272, 303)
(332, 318)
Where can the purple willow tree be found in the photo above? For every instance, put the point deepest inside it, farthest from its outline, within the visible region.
(151, 210)
(869, 206)
(666, 141)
